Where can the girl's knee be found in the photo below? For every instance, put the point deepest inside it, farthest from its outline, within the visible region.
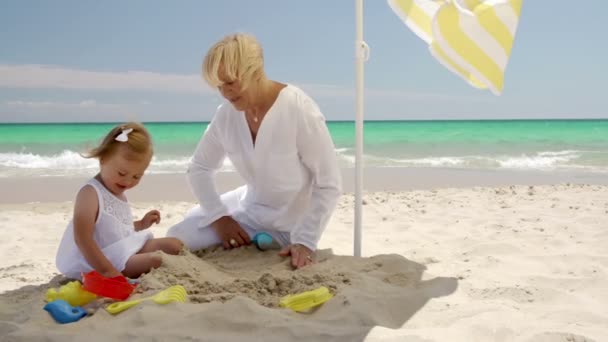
(156, 260)
(174, 246)
(139, 264)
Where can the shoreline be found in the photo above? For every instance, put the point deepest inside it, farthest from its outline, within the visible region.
(174, 187)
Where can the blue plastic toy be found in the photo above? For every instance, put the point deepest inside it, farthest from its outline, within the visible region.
(63, 312)
(264, 241)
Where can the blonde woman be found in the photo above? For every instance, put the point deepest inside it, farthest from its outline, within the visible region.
(276, 137)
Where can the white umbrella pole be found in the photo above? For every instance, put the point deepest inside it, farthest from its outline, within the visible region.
(361, 55)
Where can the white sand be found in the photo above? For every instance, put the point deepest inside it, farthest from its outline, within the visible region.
(477, 264)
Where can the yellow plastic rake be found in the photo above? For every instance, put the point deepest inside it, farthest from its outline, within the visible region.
(176, 293)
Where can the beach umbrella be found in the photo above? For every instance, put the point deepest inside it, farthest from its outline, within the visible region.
(471, 38)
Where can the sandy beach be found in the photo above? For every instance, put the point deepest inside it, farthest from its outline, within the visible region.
(493, 257)
(480, 127)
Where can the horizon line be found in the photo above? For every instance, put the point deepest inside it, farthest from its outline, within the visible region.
(329, 121)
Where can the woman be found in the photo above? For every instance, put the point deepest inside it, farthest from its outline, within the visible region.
(277, 140)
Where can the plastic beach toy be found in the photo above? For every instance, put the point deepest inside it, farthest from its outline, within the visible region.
(63, 312)
(306, 300)
(264, 241)
(176, 293)
(116, 288)
(72, 292)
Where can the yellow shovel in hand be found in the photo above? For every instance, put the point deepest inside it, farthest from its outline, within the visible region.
(176, 293)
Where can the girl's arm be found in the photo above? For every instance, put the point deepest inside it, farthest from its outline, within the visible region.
(151, 217)
(85, 215)
(138, 225)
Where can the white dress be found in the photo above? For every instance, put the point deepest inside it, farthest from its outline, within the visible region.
(291, 173)
(114, 234)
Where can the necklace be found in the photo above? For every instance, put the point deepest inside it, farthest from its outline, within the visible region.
(255, 119)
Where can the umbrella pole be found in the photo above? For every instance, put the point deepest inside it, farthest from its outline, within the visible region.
(361, 55)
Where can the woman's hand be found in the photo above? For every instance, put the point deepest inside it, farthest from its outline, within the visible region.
(230, 232)
(300, 255)
(151, 217)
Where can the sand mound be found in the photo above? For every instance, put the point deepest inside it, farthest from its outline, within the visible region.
(235, 294)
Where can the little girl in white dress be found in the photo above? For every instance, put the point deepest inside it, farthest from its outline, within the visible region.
(102, 235)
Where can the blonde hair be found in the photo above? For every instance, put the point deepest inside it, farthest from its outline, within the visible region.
(241, 57)
(139, 143)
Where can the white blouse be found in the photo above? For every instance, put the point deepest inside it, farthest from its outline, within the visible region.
(291, 173)
(114, 234)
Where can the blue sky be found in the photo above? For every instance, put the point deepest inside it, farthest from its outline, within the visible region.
(84, 60)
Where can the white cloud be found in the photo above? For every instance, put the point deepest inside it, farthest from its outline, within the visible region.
(324, 90)
(30, 76)
(85, 104)
(80, 111)
(56, 77)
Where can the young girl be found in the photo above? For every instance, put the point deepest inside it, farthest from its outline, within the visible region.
(102, 235)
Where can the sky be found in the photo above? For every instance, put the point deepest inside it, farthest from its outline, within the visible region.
(109, 61)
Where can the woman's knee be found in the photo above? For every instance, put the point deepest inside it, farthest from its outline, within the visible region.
(174, 231)
(182, 229)
(179, 235)
(193, 236)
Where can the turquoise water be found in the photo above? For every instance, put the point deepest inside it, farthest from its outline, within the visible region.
(46, 149)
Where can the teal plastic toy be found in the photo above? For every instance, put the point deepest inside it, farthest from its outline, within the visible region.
(63, 312)
(264, 241)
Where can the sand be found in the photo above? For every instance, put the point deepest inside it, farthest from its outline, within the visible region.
(496, 263)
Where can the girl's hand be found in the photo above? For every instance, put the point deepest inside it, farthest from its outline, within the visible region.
(151, 217)
(300, 255)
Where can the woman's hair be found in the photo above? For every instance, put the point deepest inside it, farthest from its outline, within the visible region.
(138, 142)
(240, 55)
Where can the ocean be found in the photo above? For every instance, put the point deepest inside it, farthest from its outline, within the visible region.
(581, 145)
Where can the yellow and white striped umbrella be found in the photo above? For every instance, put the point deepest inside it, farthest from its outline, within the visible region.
(472, 38)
